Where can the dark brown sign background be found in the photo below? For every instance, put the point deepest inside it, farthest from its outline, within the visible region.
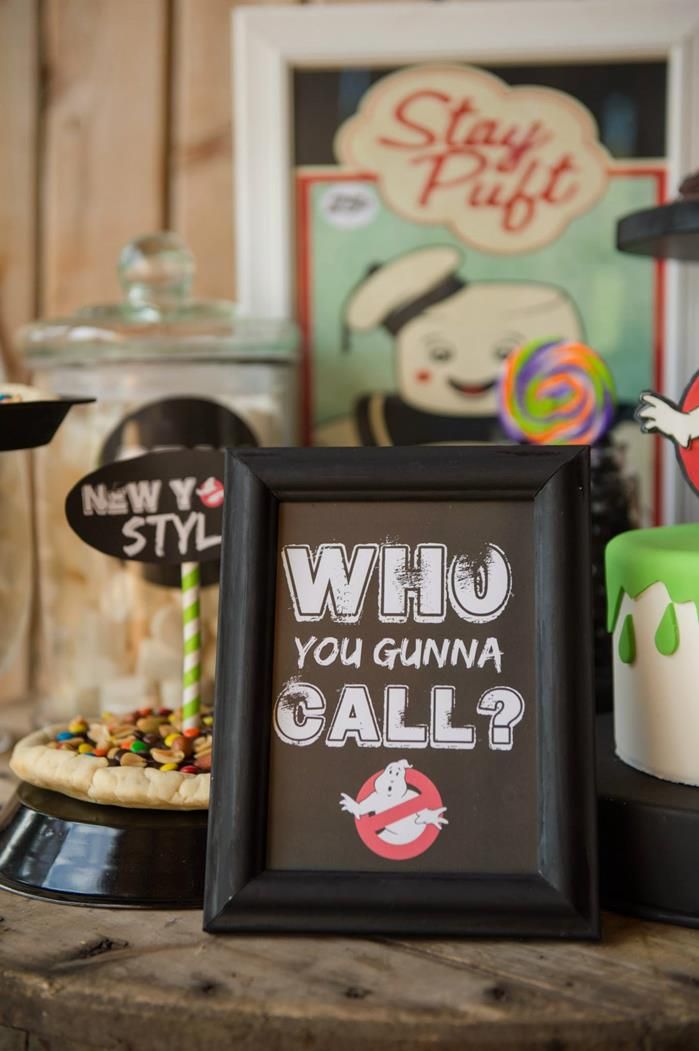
(490, 796)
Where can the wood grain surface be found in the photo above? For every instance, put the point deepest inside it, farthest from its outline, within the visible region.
(201, 185)
(19, 92)
(19, 119)
(104, 138)
(89, 978)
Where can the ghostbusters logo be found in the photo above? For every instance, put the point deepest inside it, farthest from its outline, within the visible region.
(398, 812)
(505, 169)
(211, 492)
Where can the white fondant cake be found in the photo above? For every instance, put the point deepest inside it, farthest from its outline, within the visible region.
(653, 587)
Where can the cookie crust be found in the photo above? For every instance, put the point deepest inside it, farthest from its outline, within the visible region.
(93, 780)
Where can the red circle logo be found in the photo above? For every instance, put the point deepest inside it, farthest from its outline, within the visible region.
(211, 492)
(407, 828)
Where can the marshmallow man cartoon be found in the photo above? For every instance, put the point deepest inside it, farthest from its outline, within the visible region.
(391, 788)
(450, 338)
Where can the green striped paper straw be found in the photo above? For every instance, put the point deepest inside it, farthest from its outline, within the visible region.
(191, 623)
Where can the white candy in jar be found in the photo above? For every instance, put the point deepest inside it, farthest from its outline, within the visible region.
(167, 371)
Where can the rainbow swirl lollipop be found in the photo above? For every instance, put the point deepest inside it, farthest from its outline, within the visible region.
(556, 393)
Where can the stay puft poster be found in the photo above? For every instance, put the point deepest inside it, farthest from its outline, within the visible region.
(404, 730)
(447, 214)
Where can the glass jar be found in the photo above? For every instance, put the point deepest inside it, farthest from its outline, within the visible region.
(166, 371)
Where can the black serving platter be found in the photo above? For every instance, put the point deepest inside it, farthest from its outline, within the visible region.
(29, 424)
(669, 231)
(65, 850)
(648, 839)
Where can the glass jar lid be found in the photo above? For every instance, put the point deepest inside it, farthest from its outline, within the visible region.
(157, 319)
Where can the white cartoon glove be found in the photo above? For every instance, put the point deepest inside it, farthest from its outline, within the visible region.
(348, 804)
(432, 817)
(656, 414)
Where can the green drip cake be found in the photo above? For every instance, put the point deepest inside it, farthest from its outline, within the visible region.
(653, 615)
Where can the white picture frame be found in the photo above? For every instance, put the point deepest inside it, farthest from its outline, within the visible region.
(269, 42)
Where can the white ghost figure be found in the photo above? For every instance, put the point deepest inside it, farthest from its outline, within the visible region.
(390, 789)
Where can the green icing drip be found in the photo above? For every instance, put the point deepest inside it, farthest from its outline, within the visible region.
(613, 614)
(642, 557)
(627, 641)
(667, 637)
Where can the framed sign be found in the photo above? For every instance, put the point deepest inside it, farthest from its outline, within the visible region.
(422, 206)
(404, 710)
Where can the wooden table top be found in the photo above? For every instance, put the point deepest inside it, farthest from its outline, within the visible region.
(120, 979)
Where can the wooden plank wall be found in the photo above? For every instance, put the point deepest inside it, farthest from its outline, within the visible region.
(115, 119)
(102, 149)
(19, 92)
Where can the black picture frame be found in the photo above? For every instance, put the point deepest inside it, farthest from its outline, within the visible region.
(561, 899)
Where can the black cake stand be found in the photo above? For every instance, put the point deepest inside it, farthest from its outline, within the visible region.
(648, 839)
(87, 854)
(649, 828)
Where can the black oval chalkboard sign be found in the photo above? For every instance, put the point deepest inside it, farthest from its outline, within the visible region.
(162, 507)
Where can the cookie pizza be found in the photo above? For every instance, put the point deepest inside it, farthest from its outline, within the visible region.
(141, 759)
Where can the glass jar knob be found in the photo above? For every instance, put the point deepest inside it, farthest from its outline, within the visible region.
(156, 271)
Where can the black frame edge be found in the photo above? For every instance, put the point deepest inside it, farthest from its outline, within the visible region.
(240, 894)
